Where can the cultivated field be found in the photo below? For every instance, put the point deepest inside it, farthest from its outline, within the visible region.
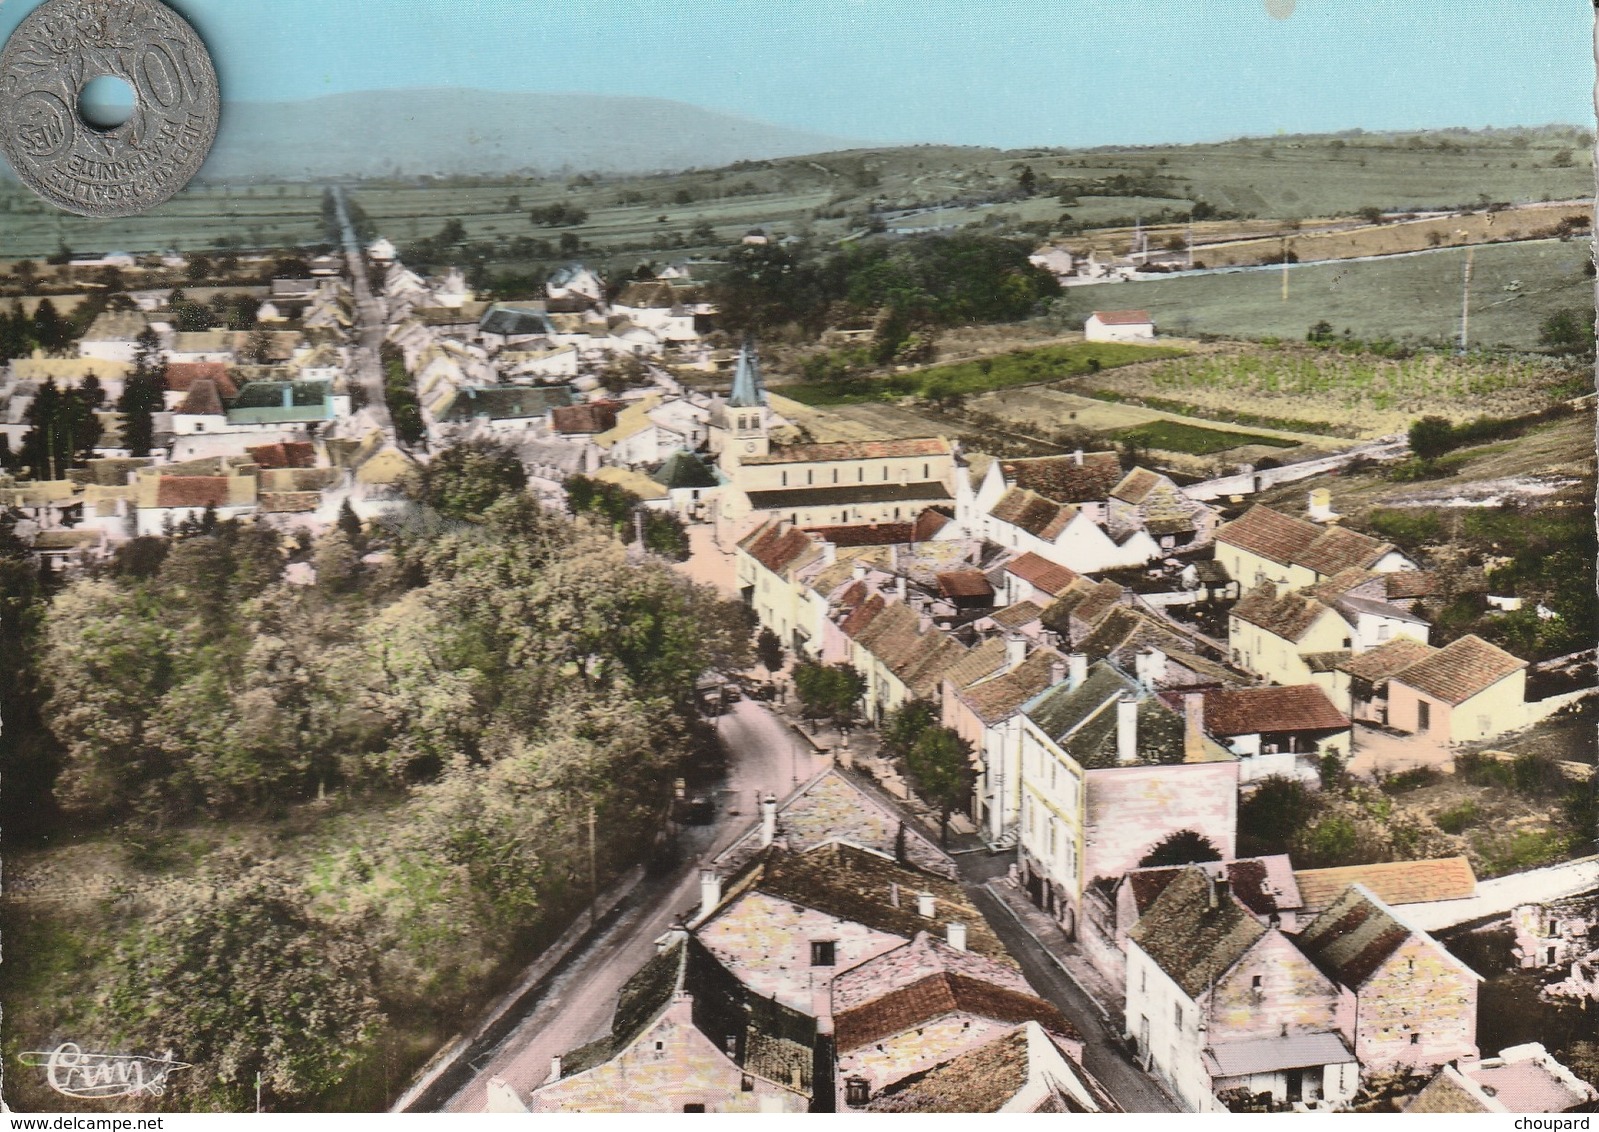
(1356, 394)
(255, 216)
(1413, 298)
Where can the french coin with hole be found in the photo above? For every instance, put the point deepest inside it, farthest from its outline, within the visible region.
(59, 49)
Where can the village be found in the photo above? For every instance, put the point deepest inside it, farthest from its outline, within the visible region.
(1024, 869)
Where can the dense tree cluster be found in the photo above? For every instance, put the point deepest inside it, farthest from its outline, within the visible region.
(468, 691)
(909, 284)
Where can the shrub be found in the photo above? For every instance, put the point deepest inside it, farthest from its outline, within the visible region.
(1457, 818)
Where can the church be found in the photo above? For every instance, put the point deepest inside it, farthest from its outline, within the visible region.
(813, 485)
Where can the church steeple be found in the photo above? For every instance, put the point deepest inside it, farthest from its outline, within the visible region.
(748, 392)
(746, 408)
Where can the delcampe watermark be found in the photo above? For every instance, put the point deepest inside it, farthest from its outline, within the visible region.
(72, 1072)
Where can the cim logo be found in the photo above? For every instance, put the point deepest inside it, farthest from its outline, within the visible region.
(103, 1076)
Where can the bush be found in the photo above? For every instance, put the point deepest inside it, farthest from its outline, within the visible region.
(1457, 818)
(1270, 817)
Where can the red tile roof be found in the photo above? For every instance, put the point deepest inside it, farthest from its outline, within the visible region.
(862, 616)
(1460, 670)
(777, 549)
(1386, 659)
(852, 450)
(1339, 548)
(182, 375)
(1123, 318)
(997, 699)
(287, 454)
(595, 416)
(203, 400)
(1289, 617)
(1042, 574)
(936, 996)
(1063, 479)
(1252, 711)
(1270, 534)
(964, 583)
(869, 534)
(1396, 882)
(192, 491)
(929, 523)
(1043, 518)
(1135, 488)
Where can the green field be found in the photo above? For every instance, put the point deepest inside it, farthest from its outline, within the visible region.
(1175, 436)
(966, 379)
(1411, 298)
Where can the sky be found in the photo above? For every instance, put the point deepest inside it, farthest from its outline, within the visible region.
(1009, 73)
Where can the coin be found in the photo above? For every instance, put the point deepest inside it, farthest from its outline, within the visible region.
(55, 52)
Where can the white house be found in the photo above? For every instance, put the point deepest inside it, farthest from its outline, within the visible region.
(1119, 326)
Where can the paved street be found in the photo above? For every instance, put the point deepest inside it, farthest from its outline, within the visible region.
(763, 756)
(369, 328)
(1102, 1052)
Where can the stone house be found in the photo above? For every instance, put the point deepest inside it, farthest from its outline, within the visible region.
(1150, 502)
(1219, 1001)
(1263, 545)
(1025, 1069)
(1358, 682)
(1277, 731)
(1107, 771)
(1405, 1001)
(1465, 691)
(678, 1045)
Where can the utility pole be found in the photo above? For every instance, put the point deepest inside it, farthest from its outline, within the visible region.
(1285, 269)
(1465, 301)
(594, 887)
(1190, 247)
(257, 1090)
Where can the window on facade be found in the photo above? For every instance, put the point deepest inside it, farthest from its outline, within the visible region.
(810, 477)
(1177, 1014)
(1143, 980)
(885, 471)
(747, 1084)
(927, 471)
(835, 475)
(1415, 1039)
(823, 953)
(785, 479)
(1384, 632)
(693, 1108)
(1348, 642)
(1254, 982)
(860, 475)
(1554, 928)
(856, 1092)
(1423, 716)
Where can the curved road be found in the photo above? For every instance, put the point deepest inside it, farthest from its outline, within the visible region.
(763, 755)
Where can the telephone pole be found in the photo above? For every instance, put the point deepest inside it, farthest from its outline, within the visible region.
(1285, 269)
(1465, 300)
(594, 888)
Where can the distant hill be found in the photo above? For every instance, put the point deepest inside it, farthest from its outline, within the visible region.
(455, 131)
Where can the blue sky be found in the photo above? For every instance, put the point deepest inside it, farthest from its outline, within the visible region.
(1005, 72)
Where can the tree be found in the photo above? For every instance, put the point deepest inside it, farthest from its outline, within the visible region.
(142, 394)
(941, 765)
(1320, 332)
(350, 524)
(829, 691)
(1184, 847)
(1567, 332)
(25, 270)
(1270, 817)
(464, 481)
(905, 725)
(1431, 437)
(1027, 181)
(665, 534)
(63, 432)
(295, 1007)
(769, 650)
(50, 330)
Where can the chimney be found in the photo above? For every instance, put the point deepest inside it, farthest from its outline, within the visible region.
(924, 624)
(901, 587)
(1193, 726)
(710, 892)
(859, 572)
(555, 1069)
(768, 820)
(893, 894)
(1150, 665)
(1015, 650)
(925, 905)
(1127, 730)
(955, 934)
(829, 554)
(1076, 670)
(1077, 457)
(1057, 672)
(1218, 889)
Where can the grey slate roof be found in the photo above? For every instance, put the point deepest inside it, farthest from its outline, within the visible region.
(1268, 1055)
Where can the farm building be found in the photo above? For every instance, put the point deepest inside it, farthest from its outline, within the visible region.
(1119, 326)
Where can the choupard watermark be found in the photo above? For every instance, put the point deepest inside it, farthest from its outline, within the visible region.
(74, 1072)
